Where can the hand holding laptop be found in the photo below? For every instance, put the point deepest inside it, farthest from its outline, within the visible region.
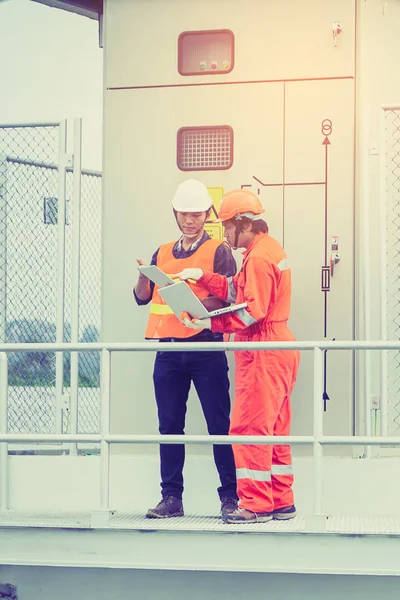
(198, 323)
(179, 296)
(140, 262)
(160, 278)
(195, 323)
(194, 274)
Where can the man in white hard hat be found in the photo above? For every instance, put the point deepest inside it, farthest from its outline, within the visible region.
(175, 371)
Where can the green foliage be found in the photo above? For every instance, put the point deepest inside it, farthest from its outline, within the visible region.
(38, 368)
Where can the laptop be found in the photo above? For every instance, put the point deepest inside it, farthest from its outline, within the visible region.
(156, 275)
(181, 299)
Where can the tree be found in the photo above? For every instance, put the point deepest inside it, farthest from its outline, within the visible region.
(31, 368)
(89, 362)
(39, 368)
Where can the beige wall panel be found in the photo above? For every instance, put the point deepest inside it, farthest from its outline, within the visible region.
(307, 105)
(274, 39)
(140, 178)
(378, 62)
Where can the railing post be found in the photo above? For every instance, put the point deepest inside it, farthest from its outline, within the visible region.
(105, 430)
(365, 217)
(101, 518)
(61, 207)
(75, 279)
(3, 429)
(318, 429)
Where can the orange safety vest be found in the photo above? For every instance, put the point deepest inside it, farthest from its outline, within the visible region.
(162, 321)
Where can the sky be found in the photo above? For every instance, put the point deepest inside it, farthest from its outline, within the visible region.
(51, 69)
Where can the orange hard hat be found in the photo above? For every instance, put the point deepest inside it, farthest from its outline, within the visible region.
(239, 203)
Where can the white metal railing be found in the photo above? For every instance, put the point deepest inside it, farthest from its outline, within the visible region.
(75, 278)
(318, 439)
(60, 305)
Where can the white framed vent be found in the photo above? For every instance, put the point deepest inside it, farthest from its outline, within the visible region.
(206, 52)
(205, 148)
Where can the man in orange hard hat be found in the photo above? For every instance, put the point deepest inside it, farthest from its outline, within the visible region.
(264, 379)
(174, 372)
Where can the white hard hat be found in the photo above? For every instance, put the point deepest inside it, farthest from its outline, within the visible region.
(191, 196)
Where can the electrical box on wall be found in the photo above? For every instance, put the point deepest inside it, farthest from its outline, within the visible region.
(206, 52)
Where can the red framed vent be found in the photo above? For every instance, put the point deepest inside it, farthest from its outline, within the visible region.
(205, 148)
(206, 52)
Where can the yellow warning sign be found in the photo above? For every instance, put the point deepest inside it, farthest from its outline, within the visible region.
(215, 230)
(216, 193)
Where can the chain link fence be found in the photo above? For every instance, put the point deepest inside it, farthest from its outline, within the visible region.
(392, 187)
(28, 255)
(89, 298)
(29, 182)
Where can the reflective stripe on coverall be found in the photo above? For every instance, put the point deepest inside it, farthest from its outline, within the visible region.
(264, 380)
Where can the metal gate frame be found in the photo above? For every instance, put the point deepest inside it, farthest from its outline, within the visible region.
(66, 163)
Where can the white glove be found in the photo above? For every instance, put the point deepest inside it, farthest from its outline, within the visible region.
(198, 323)
(192, 273)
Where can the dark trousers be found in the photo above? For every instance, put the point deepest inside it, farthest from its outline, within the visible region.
(173, 374)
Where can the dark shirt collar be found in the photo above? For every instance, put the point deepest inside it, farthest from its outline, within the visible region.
(179, 249)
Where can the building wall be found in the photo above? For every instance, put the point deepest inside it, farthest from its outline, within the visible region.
(377, 85)
(287, 79)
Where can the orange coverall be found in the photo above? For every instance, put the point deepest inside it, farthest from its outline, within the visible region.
(264, 379)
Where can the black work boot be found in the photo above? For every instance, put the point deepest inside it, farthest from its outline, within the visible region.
(228, 505)
(170, 506)
(287, 512)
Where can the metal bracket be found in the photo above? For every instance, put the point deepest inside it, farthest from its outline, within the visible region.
(100, 519)
(315, 523)
(325, 279)
(65, 402)
(335, 258)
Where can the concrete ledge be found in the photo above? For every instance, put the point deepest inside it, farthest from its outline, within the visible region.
(283, 549)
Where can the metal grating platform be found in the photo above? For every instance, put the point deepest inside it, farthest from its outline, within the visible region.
(190, 523)
(198, 523)
(363, 525)
(45, 519)
(332, 525)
